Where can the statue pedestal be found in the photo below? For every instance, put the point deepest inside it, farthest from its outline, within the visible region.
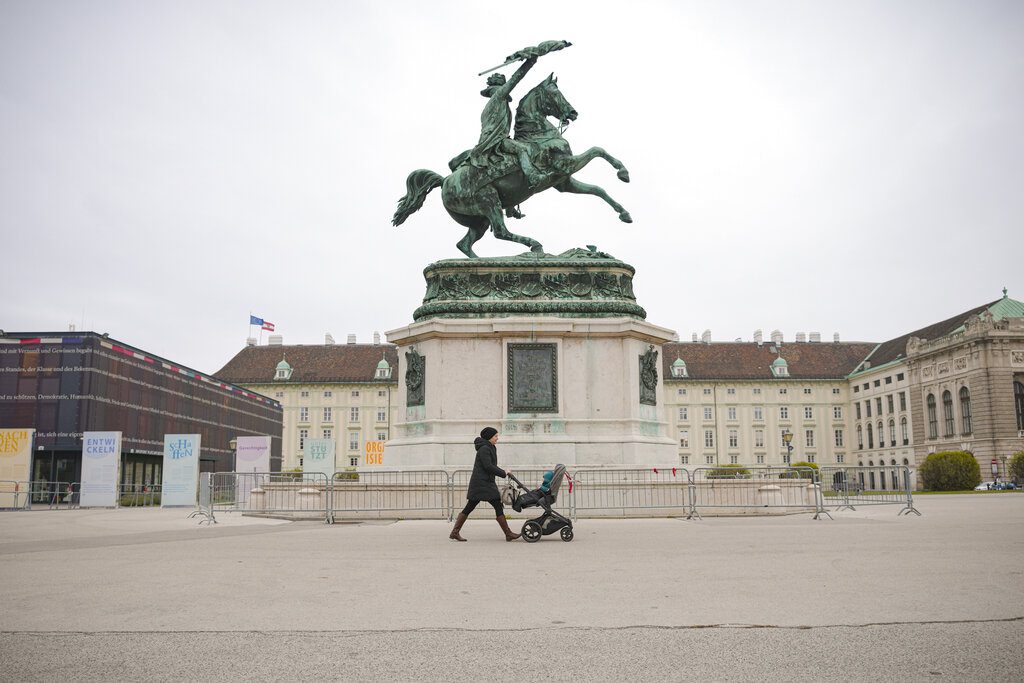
(571, 379)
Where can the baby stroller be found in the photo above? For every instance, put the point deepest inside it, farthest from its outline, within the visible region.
(545, 496)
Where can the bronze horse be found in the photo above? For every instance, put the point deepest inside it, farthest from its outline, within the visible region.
(477, 199)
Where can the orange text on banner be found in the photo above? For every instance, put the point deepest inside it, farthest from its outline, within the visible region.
(374, 452)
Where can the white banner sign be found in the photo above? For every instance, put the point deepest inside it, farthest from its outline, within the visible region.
(181, 470)
(101, 464)
(252, 454)
(319, 457)
(15, 458)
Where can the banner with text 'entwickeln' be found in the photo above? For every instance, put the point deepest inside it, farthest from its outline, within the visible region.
(181, 470)
(101, 462)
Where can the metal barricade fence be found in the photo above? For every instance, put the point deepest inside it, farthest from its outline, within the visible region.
(743, 490)
(270, 493)
(846, 487)
(14, 495)
(390, 491)
(630, 492)
(58, 495)
(139, 495)
(531, 477)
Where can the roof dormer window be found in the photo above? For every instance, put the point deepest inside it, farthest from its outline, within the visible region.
(679, 368)
(283, 371)
(780, 368)
(383, 370)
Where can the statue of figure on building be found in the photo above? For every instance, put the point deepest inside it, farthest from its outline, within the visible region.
(500, 172)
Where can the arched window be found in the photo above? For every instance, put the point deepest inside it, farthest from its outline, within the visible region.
(965, 410)
(933, 420)
(860, 437)
(947, 413)
(905, 461)
(892, 433)
(904, 432)
(1018, 398)
(881, 435)
(871, 438)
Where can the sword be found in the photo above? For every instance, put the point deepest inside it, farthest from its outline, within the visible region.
(513, 59)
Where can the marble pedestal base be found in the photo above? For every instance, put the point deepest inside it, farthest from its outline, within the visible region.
(595, 418)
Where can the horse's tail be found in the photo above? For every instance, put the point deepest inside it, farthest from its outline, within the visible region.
(418, 185)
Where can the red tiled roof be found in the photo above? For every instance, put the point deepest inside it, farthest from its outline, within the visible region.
(313, 363)
(748, 360)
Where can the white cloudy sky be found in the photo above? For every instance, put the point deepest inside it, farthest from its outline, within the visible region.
(168, 167)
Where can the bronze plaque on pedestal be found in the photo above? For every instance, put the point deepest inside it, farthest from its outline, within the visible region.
(532, 378)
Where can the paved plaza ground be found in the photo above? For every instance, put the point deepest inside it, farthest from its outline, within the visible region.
(136, 594)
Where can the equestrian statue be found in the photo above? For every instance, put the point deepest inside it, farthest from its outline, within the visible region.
(491, 180)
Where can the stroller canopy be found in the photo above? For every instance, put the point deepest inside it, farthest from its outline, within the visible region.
(556, 481)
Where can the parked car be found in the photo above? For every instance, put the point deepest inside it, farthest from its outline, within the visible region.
(985, 486)
(996, 486)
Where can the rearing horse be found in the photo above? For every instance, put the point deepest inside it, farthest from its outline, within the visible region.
(476, 197)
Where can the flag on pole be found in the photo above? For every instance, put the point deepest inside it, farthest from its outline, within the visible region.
(269, 327)
(253, 320)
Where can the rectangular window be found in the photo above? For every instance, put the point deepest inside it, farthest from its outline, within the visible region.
(709, 438)
(785, 458)
(355, 394)
(878, 382)
(734, 439)
(707, 392)
(808, 413)
(888, 380)
(327, 394)
(809, 438)
(783, 391)
(839, 438)
(757, 391)
(783, 412)
(279, 394)
(707, 414)
(304, 394)
(878, 405)
(758, 413)
(866, 386)
(681, 392)
(684, 438)
(382, 436)
(382, 414)
(899, 377)
(758, 438)
(353, 414)
(867, 407)
(303, 435)
(328, 415)
(890, 404)
(835, 391)
(353, 461)
(353, 441)
(684, 459)
(734, 459)
(837, 412)
(328, 433)
(807, 391)
(730, 391)
(810, 457)
(382, 393)
(732, 412)
(839, 458)
(760, 459)
(903, 400)
(857, 407)
(684, 414)
(856, 389)
(304, 414)
(709, 459)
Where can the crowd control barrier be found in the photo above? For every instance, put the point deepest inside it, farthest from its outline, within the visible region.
(630, 492)
(14, 495)
(381, 493)
(267, 493)
(755, 490)
(850, 487)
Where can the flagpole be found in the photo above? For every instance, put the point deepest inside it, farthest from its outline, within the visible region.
(249, 331)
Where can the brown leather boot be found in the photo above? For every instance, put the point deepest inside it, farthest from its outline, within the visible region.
(459, 521)
(509, 536)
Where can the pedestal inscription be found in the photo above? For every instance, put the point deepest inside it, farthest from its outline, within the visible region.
(532, 378)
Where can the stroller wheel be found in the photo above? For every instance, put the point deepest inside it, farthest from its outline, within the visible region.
(566, 533)
(531, 532)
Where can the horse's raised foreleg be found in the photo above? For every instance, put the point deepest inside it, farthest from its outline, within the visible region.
(575, 163)
(576, 187)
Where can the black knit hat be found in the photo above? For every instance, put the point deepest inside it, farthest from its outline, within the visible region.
(488, 432)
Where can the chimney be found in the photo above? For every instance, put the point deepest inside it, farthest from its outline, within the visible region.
(695, 338)
(835, 338)
(275, 339)
(376, 338)
(250, 341)
(815, 337)
(706, 337)
(329, 339)
(776, 337)
(351, 339)
(801, 337)
(758, 337)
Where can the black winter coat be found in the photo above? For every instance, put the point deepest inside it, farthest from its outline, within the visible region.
(485, 469)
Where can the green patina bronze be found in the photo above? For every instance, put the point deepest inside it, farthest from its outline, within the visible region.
(577, 283)
(491, 180)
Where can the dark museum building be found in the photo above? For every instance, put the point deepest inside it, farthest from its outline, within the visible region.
(64, 384)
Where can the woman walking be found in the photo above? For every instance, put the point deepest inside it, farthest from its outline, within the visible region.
(481, 485)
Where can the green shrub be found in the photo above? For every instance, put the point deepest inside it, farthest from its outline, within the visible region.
(131, 500)
(352, 476)
(804, 474)
(728, 472)
(950, 471)
(1016, 466)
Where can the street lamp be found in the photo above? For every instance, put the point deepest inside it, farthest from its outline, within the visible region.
(787, 441)
(233, 445)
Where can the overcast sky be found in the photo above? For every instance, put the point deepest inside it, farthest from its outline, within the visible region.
(168, 167)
